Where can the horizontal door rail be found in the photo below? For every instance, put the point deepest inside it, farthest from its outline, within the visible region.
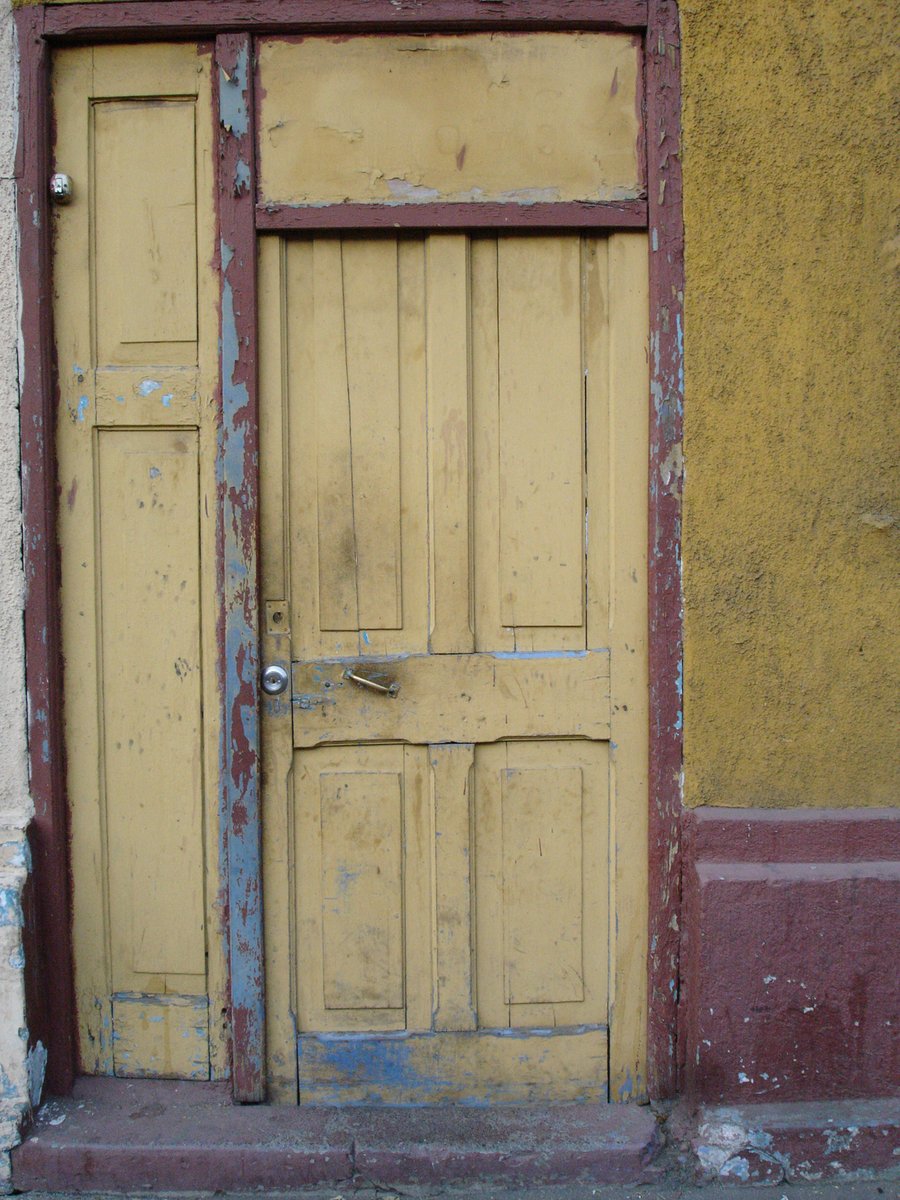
(576, 214)
(195, 18)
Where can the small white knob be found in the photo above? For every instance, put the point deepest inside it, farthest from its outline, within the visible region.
(61, 189)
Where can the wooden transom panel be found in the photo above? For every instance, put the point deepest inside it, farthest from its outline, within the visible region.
(472, 117)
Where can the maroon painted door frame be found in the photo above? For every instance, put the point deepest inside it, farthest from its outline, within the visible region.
(233, 23)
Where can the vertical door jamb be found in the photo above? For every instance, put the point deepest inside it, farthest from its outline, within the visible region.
(238, 484)
(50, 996)
(663, 140)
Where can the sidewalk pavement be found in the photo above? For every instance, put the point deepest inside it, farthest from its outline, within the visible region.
(874, 1189)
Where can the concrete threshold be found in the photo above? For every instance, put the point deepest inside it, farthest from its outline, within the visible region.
(115, 1135)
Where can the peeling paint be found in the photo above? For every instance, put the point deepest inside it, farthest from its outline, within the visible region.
(236, 468)
(10, 907)
(36, 1067)
(233, 112)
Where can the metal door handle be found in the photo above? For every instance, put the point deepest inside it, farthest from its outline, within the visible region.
(390, 689)
(274, 680)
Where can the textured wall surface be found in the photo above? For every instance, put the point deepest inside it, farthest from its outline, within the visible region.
(792, 443)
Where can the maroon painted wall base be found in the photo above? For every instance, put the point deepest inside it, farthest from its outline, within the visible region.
(789, 979)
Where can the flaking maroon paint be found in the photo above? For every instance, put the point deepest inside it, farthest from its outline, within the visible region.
(789, 994)
(48, 940)
(663, 120)
(237, 472)
(156, 18)
(534, 218)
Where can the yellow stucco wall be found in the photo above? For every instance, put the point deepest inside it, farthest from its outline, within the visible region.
(792, 439)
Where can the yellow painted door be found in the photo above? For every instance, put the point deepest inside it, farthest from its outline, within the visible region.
(136, 328)
(453, 492)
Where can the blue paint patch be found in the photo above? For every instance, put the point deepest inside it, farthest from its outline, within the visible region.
(233, 114)
(10, 908)
(380, 1063)
(120, 399)
(17, 959)
(36, 1066)
(155, 472)
(241, 177)
(83, 405)
(8, 1090)
(45, 751)
(346, 877)
(626, 1089)
(167, 400)
(17, 853)
(533, 654)
(365, 637)
(148, 386)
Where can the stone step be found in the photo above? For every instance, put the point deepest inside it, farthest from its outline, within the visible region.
(129, 1135)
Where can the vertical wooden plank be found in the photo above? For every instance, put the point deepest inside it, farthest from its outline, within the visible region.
(490, 762)
(301, 452)
(601, 466)
(663, 106)
(239, 513)
(276, 724)
(373, 387)
(418, 873)
(447, 308)
(413, 473)
(489, 634)
(54, 1024)
(628, 389)
(541, 432)
(337, 542)
(452, 781)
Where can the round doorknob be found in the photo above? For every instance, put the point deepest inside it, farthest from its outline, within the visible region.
(274, 680)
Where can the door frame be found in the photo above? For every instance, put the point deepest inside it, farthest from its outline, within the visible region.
(229, 27)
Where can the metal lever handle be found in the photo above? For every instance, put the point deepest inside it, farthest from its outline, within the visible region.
(390, 689)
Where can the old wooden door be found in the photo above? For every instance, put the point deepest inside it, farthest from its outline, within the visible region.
(453, 478)
(136, 329)
(453, 492)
